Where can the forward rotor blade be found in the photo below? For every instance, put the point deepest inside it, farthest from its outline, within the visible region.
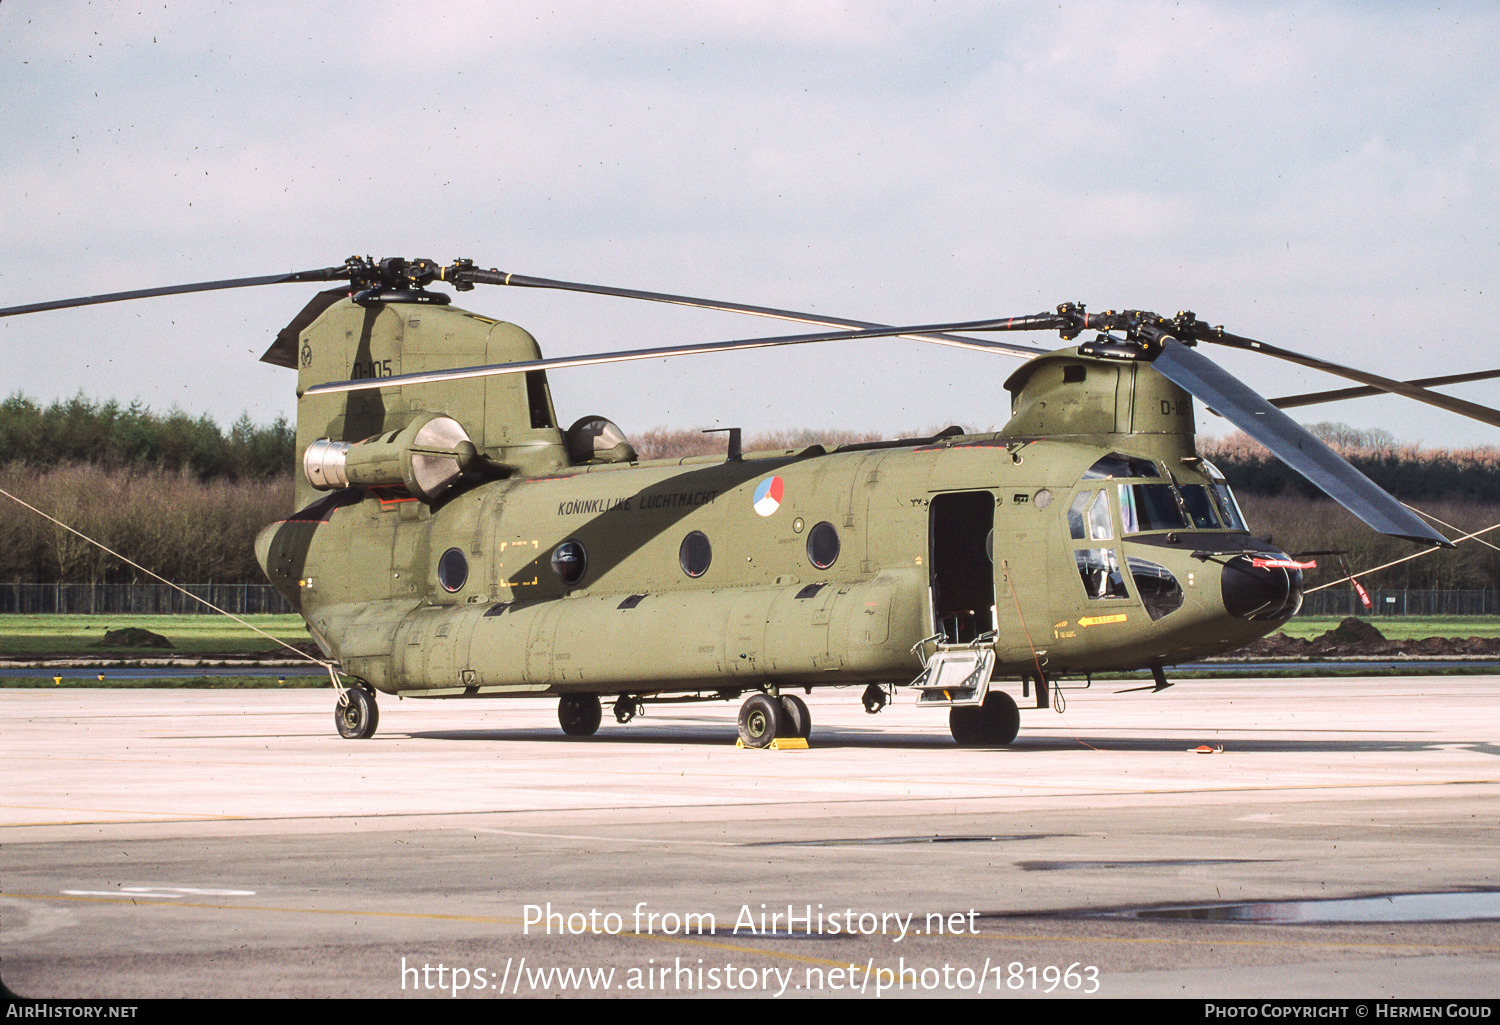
(1291, 443)
(497, 277)
(1410, 390)
(1339, 394)
(464, 373)
(325, 274)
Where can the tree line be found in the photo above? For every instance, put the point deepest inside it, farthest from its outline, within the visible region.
(181, 496)
(112, 437)
(1408, 472)
(189, 530)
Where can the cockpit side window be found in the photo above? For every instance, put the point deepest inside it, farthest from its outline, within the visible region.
(1099, 525)
(1228, 507)
(1076, 528)
(1100, 570)
(1089, 520)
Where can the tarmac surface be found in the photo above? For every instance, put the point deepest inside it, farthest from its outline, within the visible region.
(228, 843)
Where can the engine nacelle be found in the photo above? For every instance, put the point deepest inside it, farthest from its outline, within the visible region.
(425, 457)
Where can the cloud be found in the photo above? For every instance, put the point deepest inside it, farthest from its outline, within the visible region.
(1320, 175)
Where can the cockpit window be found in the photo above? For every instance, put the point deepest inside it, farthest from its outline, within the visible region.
(1200, 507)
(1149, 507)
(1099, 518)
(1230, 508)
(1076, 528)
(1089, 520)
(1115, 465)
(1159, 590)
(1100, 570)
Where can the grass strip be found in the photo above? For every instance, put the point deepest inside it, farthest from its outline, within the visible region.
(82, 635)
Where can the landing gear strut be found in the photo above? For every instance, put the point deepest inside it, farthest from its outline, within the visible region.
(579, 714)
(356, 714)
(626, 708)
(992, 724)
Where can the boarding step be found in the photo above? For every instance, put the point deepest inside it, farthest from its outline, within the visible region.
(955, 676)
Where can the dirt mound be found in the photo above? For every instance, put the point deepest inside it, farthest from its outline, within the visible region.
(1356, 637)
(132, 637)
(1353, 631)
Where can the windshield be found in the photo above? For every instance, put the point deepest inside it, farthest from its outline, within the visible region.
(1149, 507)
(1199, 506)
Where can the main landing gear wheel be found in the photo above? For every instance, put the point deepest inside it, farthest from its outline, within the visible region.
(992, 724)
(357, 715)
(579, 714)
(762, 720)
(798, 718)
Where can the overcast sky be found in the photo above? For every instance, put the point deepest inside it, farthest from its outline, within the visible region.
(1319, 176)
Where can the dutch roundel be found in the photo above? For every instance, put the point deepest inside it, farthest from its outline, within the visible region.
(768, 495)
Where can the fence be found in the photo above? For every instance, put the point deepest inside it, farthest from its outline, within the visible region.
(140, 599)
(1400, 602)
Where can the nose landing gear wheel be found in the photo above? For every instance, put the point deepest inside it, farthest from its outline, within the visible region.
(992, 724)
(357, 717)
(579, 714)
(761, 721)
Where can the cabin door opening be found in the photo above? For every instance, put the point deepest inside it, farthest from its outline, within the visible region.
(960, 554)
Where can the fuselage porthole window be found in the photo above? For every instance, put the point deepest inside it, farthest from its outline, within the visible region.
(695, 554)
(453, 570)
(823, 545)
(570, 562)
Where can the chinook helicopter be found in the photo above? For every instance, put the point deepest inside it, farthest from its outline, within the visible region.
(452, 540)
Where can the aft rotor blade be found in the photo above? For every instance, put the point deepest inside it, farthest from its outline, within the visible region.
(1339, 394)
(325, 274)
(464, 373)
(1291, 443)
(1473, 410)
(498, 277)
